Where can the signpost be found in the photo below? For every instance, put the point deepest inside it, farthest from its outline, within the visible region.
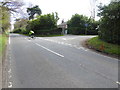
(86, 25)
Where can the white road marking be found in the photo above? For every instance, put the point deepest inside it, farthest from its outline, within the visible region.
(64, 38)
(79, 48)
(74, 45)
(62, 42)
(118, 82)
(50, 50)
(59, 42)
(9, 41)
(86, 49)
(67, 44)
(9, 71)
(10, 85)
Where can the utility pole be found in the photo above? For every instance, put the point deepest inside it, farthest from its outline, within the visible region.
(93, 8)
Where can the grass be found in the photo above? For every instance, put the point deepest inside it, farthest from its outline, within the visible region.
(105, 47)
(3, 41)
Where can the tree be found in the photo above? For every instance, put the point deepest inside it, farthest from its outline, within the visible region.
(12, 5)
(109, 29)
(80, 24)
(7, 7)
(45, 22)
(4, 19)
(32, 11)
(21, 23)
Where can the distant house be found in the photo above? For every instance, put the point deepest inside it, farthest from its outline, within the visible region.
(63, 25)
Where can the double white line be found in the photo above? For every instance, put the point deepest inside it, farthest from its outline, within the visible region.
(49, 50)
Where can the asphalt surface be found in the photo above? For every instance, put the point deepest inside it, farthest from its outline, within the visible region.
(58, 62)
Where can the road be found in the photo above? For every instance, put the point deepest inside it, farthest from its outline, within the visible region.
(58, 62)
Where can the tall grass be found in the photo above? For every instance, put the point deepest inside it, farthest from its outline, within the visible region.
(3, 41)
(100, 45)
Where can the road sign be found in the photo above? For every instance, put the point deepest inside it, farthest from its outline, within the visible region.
(86, 25)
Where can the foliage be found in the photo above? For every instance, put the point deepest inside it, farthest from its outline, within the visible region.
(8, 7)
(12, 5)
(3, 40)
(43, 23)
(109, 29)
(20, 26)
(32, 11)
(109, 48)
(21, 23)
(80, 24)
(5, 19)
(20, 30)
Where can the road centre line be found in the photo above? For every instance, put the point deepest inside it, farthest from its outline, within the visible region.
(49, 50)
(67, 44)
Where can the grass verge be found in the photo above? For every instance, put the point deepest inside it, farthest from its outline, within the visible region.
(102, 46)
(3, 41)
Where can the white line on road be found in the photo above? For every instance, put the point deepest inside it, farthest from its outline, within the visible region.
(74, 45)
(49, 50)
(118, 82)
(9, 71)
(67, 44)
(9, 41)
(10, 85)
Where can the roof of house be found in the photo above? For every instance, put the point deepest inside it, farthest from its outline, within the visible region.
(62, 25)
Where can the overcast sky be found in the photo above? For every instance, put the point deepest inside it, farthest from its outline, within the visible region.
(66, 8)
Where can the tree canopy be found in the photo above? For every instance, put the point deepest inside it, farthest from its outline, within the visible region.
(4, 19)
(6, 8)
(43, 22)
(12, 5)
(80, 24)
(32, 11)
(109, 29)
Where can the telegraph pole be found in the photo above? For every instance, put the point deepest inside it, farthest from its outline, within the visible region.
(93, 8)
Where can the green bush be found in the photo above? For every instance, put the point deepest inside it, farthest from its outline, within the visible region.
(109, 48)
(17, 31)
(76, 30)
(21, 31)
(56, 31)
(109, 29)
(43, 24)
(77, 25)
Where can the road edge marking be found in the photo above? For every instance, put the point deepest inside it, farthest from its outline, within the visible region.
(10, 85)
(9, 40)
(118, 82)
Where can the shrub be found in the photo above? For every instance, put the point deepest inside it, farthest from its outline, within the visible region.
(110, 23)
(80, 24)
